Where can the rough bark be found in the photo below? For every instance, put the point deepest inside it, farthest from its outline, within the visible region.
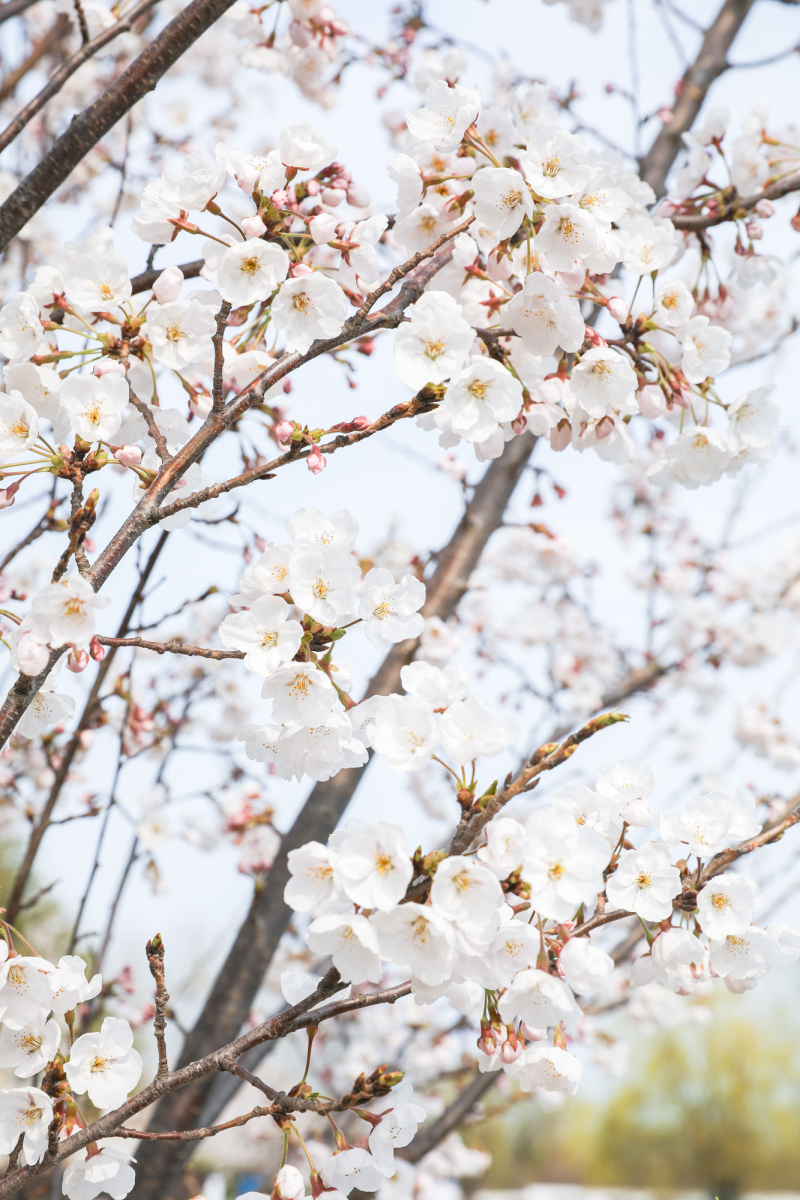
(710, 63)
(87, 129)
(236, 985)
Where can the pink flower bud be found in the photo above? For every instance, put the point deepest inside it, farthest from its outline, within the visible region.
(604, 428)
(253, 226)
(666, 208)
(765, 209)
(77, 661)
(200, 404)
(754, 230)
(313, 187)
(509, 1053)
(651, 400)
(618, 309)
(280, 198)
(168, 285)
(284, 431)
(519, 423)
(561, 436)
(360, 422)
(289, 1184)
(593, 337)
(97, 651)
(315, 461)
(332, 196)
(357, 195)
(108, 366)
(7, 497)
(486, 1046)
(301, 34)
(299, 269)
(530, 1034)
(129, 456)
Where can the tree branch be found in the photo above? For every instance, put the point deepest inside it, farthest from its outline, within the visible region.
(710, 63)
(450, 1119)
(173, 647)
(733, 207)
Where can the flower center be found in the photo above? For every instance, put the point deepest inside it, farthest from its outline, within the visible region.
(720, 901)
(101, 1062)
(551, 166)
(644, 880)
(269, 638)
(320, 589)
(304, 304)
(93, 413)
(174, 333)
(383, 864)
(567, 230)
(107, 291)
(250, 266)
(433, 350)
(512, 199)
(384, 609)
(73, 607)
(301, 685)
(29, 1115)
(479, 388)
(556, 870)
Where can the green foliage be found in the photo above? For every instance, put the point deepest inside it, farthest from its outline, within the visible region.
(713, 1107)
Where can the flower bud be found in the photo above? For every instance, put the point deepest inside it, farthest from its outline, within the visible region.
(510, 1052)
(360, 422)
(561, 436)
(315, 461)
(322, 228)
(7, 496)
(357, 195)
(332, 196)
(765, 209)
(108, 366)
(519, 424)
(168, 285)
(753, 230)
(97, 651)
(299, 269)
(283, 431)
(77, 661)
(651, 400)
(129, 456)
(604, 428)
(591, 336)
(280, 198)
(302, 35)
(200, 404)
(253, 226)
(531, 1034)
(289, 1184)
(618, 309)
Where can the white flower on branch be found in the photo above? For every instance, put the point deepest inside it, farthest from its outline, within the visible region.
(21, 331)
(555, 162)
(677, 961)
(706, 349)
(674, 304)
(312, 884)
(105, 1064)
(251, 270)
(40, 386)
(264, 632)
(547, 1067)
(29, 1049)
(301, 694)
(502, 199)
(567, 237)
(650, 244)
(373, 867)
(588, 809)
(362, 256)
(479, 399)
(48, 707)
(269, 575)
(95, 406)
(405, 731)
(447, 114)
(418, 937)
(308, 307)
(19, 425)
(323, 749)
(471, 730)
(397, 1128)
(710, 823)
(725, 905)
(504, 851)
(564, 863)
(311, 530)
(752, 417)
(97, 281)
(540, 1000)
(422, 227)
(352, 943)
(67, 609)
(289, 1183)
(625, 786)
(744, 958)
(586, 967)
(403, 171)
(433, 344)
(514, 947)
(323, 585)
(27, 1112)
(469, 895)
(697, 458)
(107, 1171)
(353, 1168)
(438, 688)
(302, 146)
(70, 986)
(545, 316)
(181, 334)
(389, 609)
(645, 882)
(604, 379)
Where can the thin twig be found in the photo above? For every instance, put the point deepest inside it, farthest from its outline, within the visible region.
(155, 961)
(174, 647)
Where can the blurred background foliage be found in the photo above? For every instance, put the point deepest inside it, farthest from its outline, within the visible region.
(713, 1108)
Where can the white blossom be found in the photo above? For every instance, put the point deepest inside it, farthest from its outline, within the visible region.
(97, 282)
(21, 330)
(264, 632)
(436, 687)
(471, 730)
(418, 937)
(181, 334)
(67, 608)
(447, 114)
(725, 905)
(705, 349)
(564, 863)
(308, 307)
(251, 270)
(625, 787)
(397, 1128)
(650, 243)
(505, 846)
(547, 1067)
(405, 731)
(545, 316)
(106, 1172)
(468, 894)
(19, 424)
(696, 458)
(479, 399)
(674, 303)
(433, 344)
(502, 199)
(105, 1064)
(555, 162)
(312, 882)
(373, 867)
(389, 609)
(323, 585)
(302, 146)
(586, 967)
(95, 406)
(604, 379)
(70, 986)
(351, 942)
(301, 693)
(645, 882)
(540, 1000)
(567, 236)
(26, 1111)
(29, 1049)
(353, 1168)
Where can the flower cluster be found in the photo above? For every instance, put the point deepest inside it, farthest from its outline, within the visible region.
(505, 920)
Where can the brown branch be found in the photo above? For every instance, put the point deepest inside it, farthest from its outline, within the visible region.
(12, 8)
(144, 282)
(155, 961)
(194, 1135)
(772, 832)
(733, 207)
(152, 428)
(710, 63)
(90, 126)
(221, 321)
(55, 84)
(173, 647)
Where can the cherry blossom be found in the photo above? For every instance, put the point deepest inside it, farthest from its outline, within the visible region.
(373, 868)
(645, 882)
(19, 424)
(446, 116)
(27, 1112)
(107, 1172)
(264, 632)
(95, 406)
(251, 271)
(388, 609)
(105, 1064)
(309, 307)
(351, 942)
(433, 344)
